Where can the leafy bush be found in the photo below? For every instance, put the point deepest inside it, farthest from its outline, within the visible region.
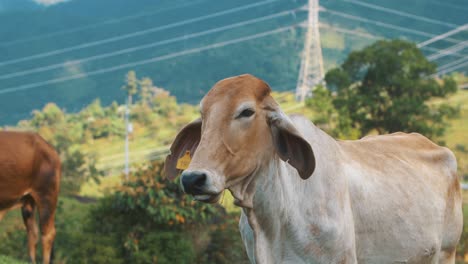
(14, 243)
(163, 247)
(149, 220)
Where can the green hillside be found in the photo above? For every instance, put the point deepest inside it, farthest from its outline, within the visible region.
(53, 38)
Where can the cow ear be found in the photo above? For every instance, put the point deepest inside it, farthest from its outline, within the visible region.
(290, 145)
(186, 140)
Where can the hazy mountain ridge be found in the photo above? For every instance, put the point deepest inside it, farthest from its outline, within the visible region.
(274, 58)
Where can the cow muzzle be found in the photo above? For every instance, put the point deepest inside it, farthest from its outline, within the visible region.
(199, 185)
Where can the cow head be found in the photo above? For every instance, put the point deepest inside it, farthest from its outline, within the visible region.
(240, 130)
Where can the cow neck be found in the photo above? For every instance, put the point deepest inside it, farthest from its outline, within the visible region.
(279, 190)
(281, 197)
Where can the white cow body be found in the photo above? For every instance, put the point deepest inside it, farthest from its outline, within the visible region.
(307, 198)
(375, 200)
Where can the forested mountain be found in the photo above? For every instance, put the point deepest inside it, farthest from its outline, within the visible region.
(78, 50)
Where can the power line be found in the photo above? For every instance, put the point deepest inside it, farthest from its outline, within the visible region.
(455, 54)
(357, 33)
(347, 31)
(144, 46)
(435, 38)
(106, 22)
(460, 46)
(143, 62)
(311, 70)
(451, 69)
(401, 13)
(137, 33)
(442, 36)
(451, 63)
(370, 36)
(448, 5)
(386, 25)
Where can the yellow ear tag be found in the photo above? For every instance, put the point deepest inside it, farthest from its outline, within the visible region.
(184, 161)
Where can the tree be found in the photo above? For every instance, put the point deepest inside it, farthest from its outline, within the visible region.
(131, 86)
(322, 104)
(146, 85)
(388, 87)
(50, 115)
(327, 117)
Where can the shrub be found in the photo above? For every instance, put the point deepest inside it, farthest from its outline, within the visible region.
(150, 220)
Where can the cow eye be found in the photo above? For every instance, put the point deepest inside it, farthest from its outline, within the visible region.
(246, 113)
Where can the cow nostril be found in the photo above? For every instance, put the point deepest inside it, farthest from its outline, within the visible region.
(193, 182)
(200, 180)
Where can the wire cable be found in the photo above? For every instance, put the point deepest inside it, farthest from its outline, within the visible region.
(143, 62)
(386, 25)
(347, 31)
(445, 66)
(106, 22)
(460, 46)
(449, 5)
(134, 34)
(369, 36)
(442, 36)
(400, 13)
(451, 69)
(144, 46)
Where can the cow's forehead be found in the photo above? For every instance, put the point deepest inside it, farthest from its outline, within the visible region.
(234, 90)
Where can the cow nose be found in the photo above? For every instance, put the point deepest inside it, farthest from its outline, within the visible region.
(193, 181)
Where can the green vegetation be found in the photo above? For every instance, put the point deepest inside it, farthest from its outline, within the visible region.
(456, 135)
(146, 220)
(462, 249)
(103, 218)
(143, 220)
(8, 260)
(387, 87)
(71, 214)
(149, 218)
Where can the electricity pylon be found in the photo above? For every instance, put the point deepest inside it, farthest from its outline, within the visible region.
(311, 72)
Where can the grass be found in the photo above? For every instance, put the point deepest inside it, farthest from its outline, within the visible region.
(106, 186)
(456, 136)
(70, 216)
(8, 260)
(68, 207)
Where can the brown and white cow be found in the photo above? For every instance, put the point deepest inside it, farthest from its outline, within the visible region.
(308, 198)
(30, 178)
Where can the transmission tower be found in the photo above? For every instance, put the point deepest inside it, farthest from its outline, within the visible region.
(311, 72)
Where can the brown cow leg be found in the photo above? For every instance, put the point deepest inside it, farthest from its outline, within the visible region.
(28, 210)
(2, 214)
(47, 224)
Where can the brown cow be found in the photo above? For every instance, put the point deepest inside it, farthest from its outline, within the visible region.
(30, 177)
